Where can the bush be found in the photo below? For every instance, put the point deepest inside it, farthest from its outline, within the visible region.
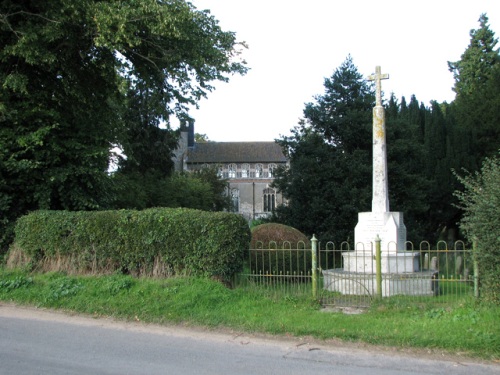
(153, 242)
(273, 234)
(278, 249)
(481, 223)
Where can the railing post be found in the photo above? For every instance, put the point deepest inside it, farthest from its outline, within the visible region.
(476, 269)
(314, 270)
(378, 265)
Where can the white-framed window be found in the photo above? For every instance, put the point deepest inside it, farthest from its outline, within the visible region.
(269, 197)
(245, 171)
(259, 170)
(235, 200)
(271, 168)
(232, 170)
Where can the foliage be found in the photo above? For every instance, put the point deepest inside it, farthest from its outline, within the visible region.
(201, 138)
(282, 236)
(79, 78)
(158, 242)
(219, 199)
(481, 222)
(329, 155)
(277, 249)
(477, 82)
(329, 178)
(201, 190)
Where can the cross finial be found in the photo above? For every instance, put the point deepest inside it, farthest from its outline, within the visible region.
(377, 77)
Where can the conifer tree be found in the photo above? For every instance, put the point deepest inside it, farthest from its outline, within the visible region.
(477, 87)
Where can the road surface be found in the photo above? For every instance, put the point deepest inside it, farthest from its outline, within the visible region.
(43, 342)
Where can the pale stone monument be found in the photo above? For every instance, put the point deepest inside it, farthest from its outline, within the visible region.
(399, 268)
(380, 221)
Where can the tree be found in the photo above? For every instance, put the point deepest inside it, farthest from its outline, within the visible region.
(481, 222)
(329, 180)
(201, 190)
(408, 186)
(330, 159)
(477, 87)
(69, 71)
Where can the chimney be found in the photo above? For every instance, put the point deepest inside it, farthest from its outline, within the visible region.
(190, 130)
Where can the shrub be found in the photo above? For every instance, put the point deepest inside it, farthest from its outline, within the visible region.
(281, 235)
(153, 242)
(278, 249)
(481, 223)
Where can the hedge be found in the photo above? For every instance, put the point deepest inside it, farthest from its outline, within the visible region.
(151, 242)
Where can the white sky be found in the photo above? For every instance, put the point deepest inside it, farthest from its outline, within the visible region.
(294, 45)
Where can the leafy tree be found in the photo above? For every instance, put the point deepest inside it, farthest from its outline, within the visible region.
(201, 190)
(201, 138)
(481, 222)
(219, 199)
(147, 144)
(69, 71)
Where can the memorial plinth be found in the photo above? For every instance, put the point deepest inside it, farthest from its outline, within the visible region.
(392, 232)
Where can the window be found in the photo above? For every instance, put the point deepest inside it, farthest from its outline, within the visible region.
(271, 167)
(235, 200)
(258, 171)
(245, 171)
(269, 200)
(232, 170)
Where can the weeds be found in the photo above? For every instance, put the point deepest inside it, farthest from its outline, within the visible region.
(18, 282)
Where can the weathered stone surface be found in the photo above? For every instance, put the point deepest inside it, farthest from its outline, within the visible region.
(354, 283)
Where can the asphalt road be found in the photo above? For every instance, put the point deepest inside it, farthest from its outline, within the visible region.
(42, 342)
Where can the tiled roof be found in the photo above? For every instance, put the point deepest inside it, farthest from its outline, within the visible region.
(236, 152)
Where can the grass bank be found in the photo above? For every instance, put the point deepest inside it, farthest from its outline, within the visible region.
(460, 328)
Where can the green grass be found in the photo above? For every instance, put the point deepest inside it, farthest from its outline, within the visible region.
(455, 327)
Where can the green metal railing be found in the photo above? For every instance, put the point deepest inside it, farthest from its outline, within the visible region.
(446, 272)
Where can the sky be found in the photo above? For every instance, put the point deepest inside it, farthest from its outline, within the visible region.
(293, 45)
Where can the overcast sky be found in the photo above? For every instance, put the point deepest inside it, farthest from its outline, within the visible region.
(294, 45)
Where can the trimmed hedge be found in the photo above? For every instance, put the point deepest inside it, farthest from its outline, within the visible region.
(153, 242)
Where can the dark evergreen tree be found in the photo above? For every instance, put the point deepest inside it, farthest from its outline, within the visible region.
(477, 87)
(408, 185)
(329, 179)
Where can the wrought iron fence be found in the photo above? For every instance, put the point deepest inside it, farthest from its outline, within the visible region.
(343, 277)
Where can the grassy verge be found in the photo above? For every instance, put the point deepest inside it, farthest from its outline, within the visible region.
(464, 328)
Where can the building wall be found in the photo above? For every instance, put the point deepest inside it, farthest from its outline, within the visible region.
(251, 196)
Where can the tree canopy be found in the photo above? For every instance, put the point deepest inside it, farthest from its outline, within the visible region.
(72, 70)
(477, 82)
(329, 178)
(329, 156)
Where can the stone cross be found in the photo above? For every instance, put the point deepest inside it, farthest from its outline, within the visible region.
(380, 199)
(378, 77)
